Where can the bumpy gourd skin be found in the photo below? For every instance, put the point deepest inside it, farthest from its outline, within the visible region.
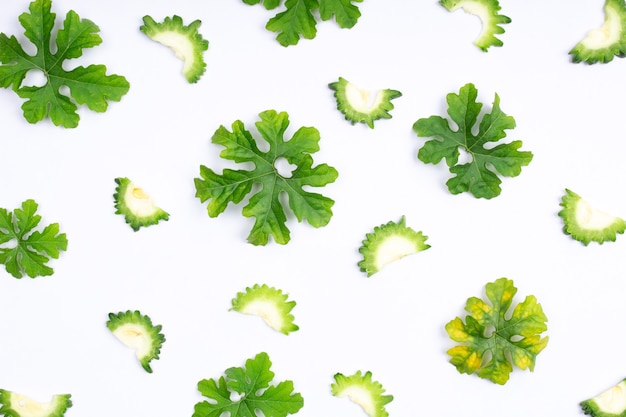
(136, 331)
(184, 40)
(136, 206)
(601, 45)
(610, 403)
(588, 224)
(17, 405)
(388, 243)
(487, 11)
(270, 304)
(357, 105)
(364, 391)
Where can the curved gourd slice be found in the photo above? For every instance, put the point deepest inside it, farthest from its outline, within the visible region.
(270, 304)
(610, 403)
(137, 332)
(388, 243)
(136, 206)
(185, 41)
(487, 11)
(362, 390)
(606, 42)
(358, 105)
(18, 405)
(586, 223)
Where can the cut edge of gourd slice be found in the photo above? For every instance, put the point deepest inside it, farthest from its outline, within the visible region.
(137, 332)
(137, 207)
(602, 44)
(609, 403)
(388, 243)
(270, 304)
(18, 405)
(487, 12)
(359, 105)
(586, 223)
(362, 390)
(184, 40)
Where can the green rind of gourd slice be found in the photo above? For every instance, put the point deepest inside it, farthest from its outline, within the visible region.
(268, 303)
(388, 243)
(586, 223)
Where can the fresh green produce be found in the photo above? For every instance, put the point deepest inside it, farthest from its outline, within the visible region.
(270, 304)
(357, 104)
(265, 205)
(29, 251)
(87, 85)
(610, 403)
(298, 20)
(487, 11)
(586, 223)
(252, 391)
(604, 43)
(135, 205)
(480, 175)
(388, 243)
(490, 343)
(18, 405)
(362, 390)
(184, 40)
(136, 331)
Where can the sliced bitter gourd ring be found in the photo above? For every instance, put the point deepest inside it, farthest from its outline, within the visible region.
(185, 41)
(136, 206)
(388, 243)
(18, 405)
(586, 223)
(606, 42)
(487, 11)
(361, 390)
(137, 332)
(358, 106)
(268, 303)
(610, 403)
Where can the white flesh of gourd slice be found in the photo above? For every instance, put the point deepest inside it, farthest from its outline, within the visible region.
(268, 303)
(22, 406)
(586, 223)
(487, 12)
(359, 105)
(389, 243)
(184, 40)
(611, 402)
(136, 331)
(136, 205)
(362, 390)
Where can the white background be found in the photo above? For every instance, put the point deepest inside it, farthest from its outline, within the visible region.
(183, 273)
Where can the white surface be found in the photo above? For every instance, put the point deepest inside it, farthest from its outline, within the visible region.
(183, 273)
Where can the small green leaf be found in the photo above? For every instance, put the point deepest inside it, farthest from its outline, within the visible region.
(265, 204)
(252, 384)
(32, 249)
(480, 175)
(90, 85)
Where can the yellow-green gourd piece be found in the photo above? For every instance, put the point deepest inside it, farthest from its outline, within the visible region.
(185, 40)
(388, 243)
(487, 12)
(136, 205)
(362, 390)
(586, 223)
(610, 403)
(362, 106)
(18, 405)
(268, 303)
(606, 42)
(136, 331)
